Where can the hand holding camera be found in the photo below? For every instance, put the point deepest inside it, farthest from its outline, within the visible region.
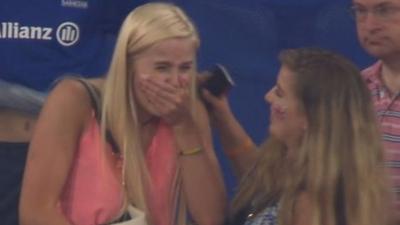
(218, 81)
(213, 89)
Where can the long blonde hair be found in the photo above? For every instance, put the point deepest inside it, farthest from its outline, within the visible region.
(339, 163)
(143, 27)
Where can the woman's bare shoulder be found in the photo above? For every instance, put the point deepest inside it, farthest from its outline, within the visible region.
(69, 96)
(69, 89)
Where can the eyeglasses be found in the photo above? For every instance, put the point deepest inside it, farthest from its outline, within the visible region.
(381, 12)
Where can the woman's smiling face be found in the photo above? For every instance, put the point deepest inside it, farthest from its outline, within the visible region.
(287, 121)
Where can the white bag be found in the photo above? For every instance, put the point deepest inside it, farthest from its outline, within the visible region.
(138, 217)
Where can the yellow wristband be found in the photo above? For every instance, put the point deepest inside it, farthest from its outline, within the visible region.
(193, 151)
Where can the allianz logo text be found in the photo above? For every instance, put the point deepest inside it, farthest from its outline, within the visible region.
(67, 33)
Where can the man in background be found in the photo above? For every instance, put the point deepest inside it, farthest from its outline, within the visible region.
(378, 29)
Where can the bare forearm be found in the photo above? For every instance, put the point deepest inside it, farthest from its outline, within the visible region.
(204, 192)
(202, 182)
(236, 143)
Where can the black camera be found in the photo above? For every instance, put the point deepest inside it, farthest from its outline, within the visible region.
(219, 80)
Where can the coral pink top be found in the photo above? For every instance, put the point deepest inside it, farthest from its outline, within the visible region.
(162, 164)
(93, 192)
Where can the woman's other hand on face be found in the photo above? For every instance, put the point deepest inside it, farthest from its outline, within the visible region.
(169, 98)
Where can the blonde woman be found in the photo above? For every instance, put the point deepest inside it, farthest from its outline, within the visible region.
(148, 146)
(322, 164)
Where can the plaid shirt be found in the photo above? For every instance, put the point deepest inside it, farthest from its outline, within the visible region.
(387, 106)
